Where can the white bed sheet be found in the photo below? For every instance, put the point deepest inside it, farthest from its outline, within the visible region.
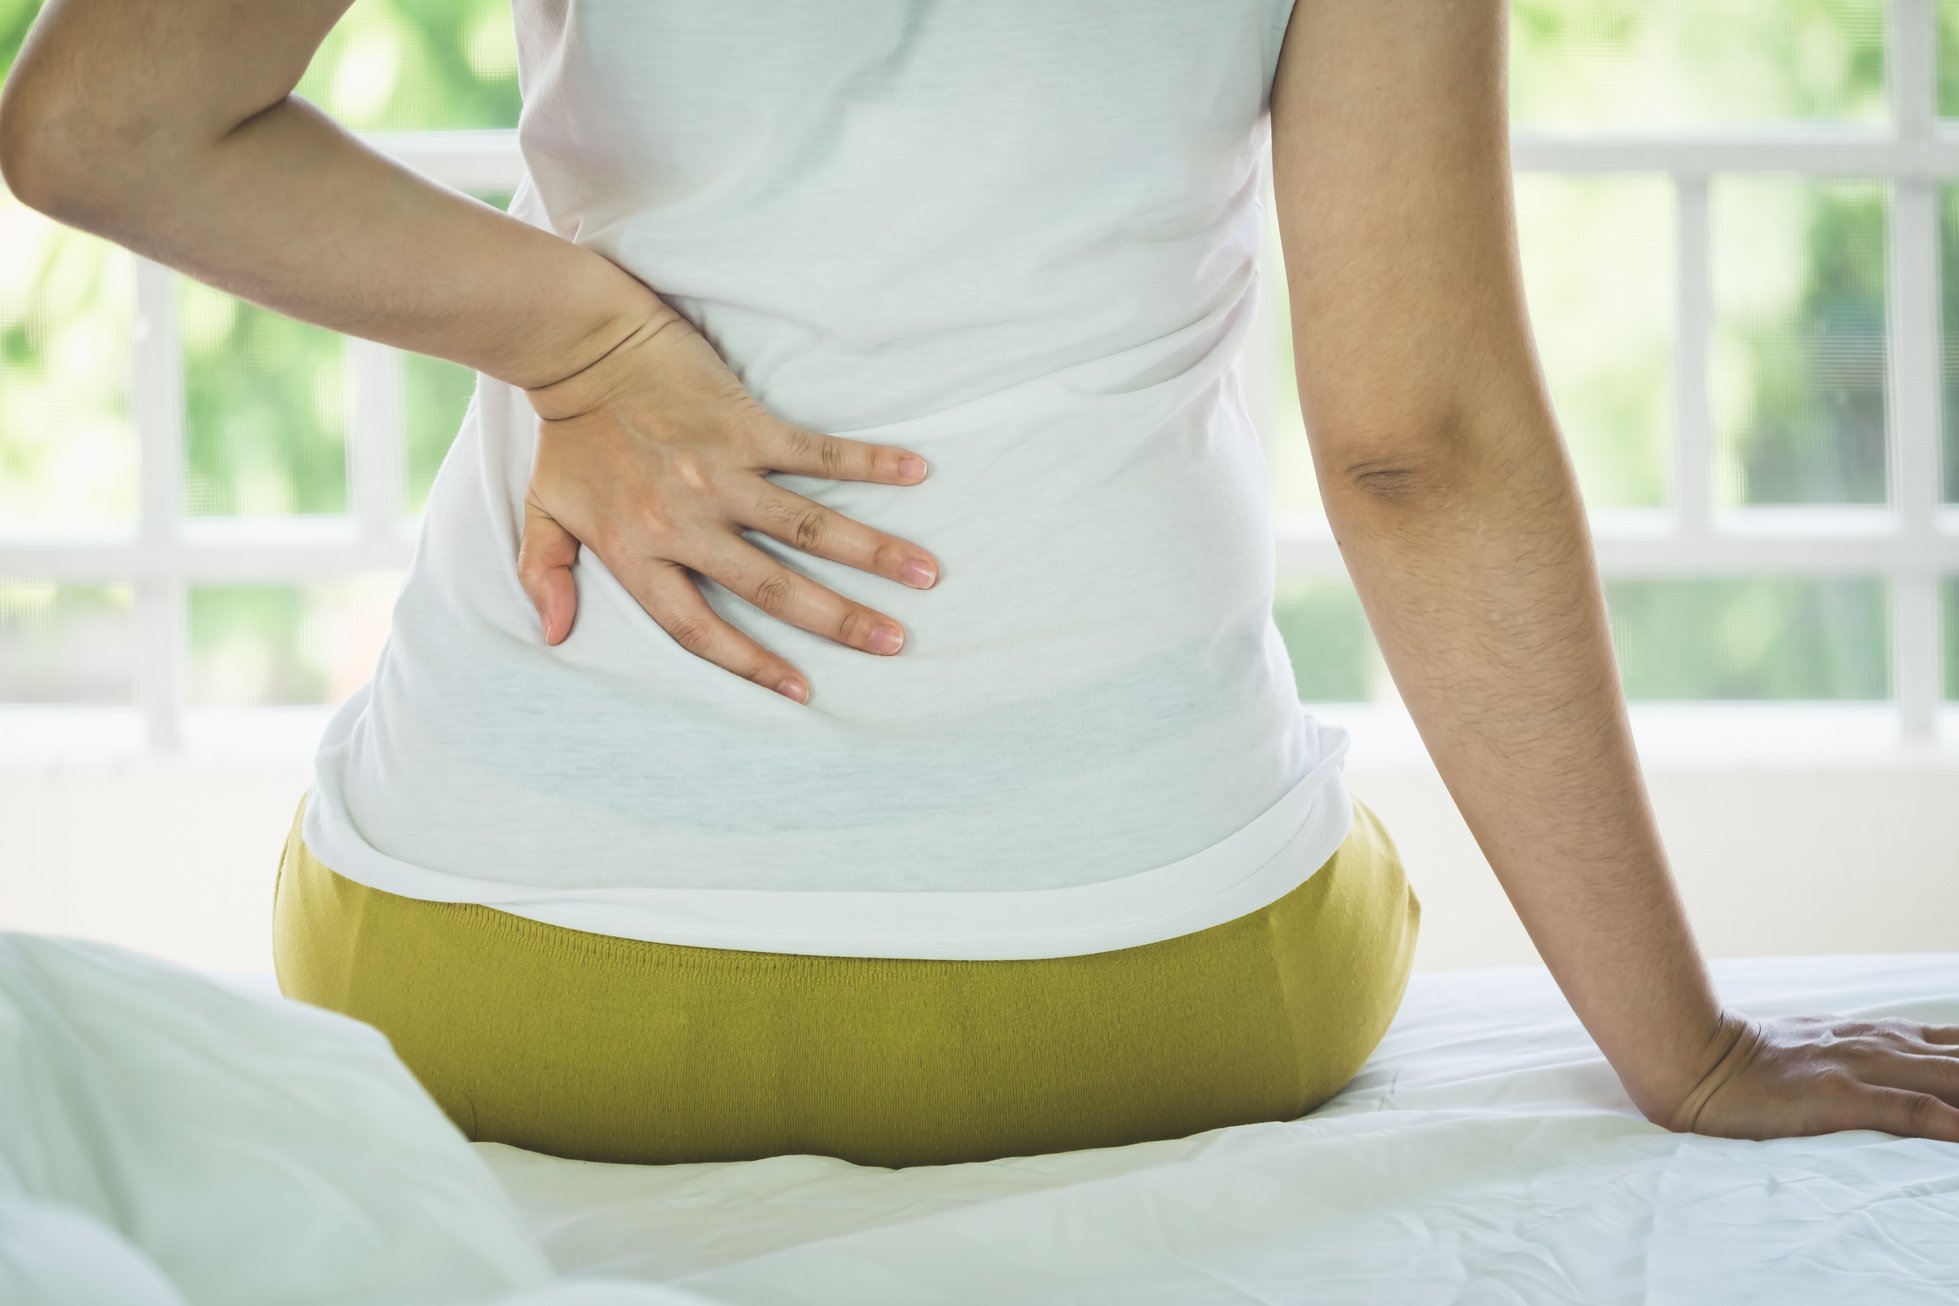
(168, 1139)
(1486, 1154)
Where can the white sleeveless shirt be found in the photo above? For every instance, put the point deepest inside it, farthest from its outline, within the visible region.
(1017, 236)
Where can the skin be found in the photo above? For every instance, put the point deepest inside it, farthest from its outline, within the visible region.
(1439, 458)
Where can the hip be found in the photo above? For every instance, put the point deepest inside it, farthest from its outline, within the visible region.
(604, 1048)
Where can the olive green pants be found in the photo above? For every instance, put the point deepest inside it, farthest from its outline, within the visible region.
(608, 1049)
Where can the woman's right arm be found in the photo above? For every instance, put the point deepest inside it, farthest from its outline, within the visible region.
(170, 129)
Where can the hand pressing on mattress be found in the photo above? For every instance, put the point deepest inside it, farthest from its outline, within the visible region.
(1794, 1076)
(656, 457)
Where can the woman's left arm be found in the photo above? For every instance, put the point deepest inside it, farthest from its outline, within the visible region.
(1456, 508)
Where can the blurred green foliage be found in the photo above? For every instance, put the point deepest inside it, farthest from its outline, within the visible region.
(1949, 339)
(1327, 638)
(1599, 274)
(265, 426)
(1649, 64)
(1951, 636)
(1777, 637)
(418, 65)
(1798, 364)
(66, 643)
(249, 646)
(1948, 60)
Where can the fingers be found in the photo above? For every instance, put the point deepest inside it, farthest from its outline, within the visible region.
(671, 598)
(827, 533)
(786, 448)
(544, 559)
(1899, 1031)
(1936, 1073)
(795, 598)
(1909, 1115)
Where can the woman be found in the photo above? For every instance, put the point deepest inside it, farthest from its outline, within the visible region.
(937, 790)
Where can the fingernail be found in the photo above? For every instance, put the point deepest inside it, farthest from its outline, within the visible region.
(911, 467)
(919, 574)
(887, 639)
(793, 688)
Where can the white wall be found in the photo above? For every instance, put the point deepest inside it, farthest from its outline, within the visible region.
(1788, 833)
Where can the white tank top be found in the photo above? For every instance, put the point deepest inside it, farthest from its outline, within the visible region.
(1020, 237)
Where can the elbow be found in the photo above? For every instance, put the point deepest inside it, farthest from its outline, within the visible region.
(42, 150)
(72, 162)
(89, 122)
(34, 113)
(1521, 466)
(1404, 476)
(1391, 459)
(24, 165)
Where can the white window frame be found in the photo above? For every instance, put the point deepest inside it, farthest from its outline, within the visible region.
(1910, 542)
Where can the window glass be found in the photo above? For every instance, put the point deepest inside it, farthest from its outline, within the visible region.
(1948, 65)
(65, 643)
(277, 644)
(68, 445)
(1797, 376)
(265, 409)
(1949, 325)
(1598, 263)
(1650, 65)
(1751, 638)
(418, 65)
(1952, 637)
(1327, 639)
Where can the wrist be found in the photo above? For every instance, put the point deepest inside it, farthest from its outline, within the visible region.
(1675, 1102)
(586, 375)
(600, 305)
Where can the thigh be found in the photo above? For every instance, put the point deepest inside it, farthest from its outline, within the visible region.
(1345, 946)
(938, 1062)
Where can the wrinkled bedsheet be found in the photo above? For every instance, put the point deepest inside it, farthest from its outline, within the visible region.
(171, 1136)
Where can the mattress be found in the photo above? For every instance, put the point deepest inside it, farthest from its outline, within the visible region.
(1485, 1154)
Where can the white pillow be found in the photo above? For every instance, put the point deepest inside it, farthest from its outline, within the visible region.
(254, 1149)
(54, 1255)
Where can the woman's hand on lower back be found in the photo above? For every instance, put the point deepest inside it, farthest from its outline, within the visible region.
(1794, 1076)
(655, 458)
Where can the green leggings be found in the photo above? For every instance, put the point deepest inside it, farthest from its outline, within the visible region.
(609, 1049)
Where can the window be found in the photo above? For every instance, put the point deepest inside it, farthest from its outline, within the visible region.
(1734, 221)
